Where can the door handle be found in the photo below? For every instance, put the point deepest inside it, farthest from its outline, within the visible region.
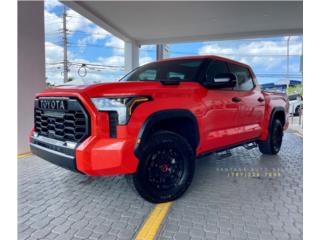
(236, 99)
(260, 99)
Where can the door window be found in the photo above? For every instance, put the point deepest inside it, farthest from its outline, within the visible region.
(215, 67)
(244, 79)
(148, 75)
(176, 76)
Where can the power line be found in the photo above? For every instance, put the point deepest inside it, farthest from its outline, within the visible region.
(56, 64)
(90, 33)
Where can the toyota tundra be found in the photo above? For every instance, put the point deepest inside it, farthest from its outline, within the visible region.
(156, 121)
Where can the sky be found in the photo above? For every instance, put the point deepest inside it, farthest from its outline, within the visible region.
(104, 53)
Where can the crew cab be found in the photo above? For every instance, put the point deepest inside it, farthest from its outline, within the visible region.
(156, 121)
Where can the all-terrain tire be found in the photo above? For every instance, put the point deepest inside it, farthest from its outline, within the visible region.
(297, 111)
(166, 167)
(273, 142)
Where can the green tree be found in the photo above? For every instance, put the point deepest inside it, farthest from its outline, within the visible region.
(297, 89)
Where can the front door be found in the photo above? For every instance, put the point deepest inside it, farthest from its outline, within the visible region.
(221, 119)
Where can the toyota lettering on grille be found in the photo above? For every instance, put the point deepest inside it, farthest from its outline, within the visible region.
(53, 104)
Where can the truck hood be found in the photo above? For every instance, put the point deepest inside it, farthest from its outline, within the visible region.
(121, 89)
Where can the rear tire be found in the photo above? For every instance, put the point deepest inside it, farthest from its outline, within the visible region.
(297, 111)
(166, 167)
(273, 142)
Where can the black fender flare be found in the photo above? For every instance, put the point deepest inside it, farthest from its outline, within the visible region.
(274, 111)
(159, 116)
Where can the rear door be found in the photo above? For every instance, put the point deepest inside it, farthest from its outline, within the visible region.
(252, 103)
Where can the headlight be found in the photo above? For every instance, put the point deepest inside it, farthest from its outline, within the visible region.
(124, 106)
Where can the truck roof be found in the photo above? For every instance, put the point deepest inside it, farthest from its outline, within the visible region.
(228, 60)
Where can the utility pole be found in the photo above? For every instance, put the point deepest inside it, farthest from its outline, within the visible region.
(301, 63)
(65, 47)
(288, 60)
(288, 56)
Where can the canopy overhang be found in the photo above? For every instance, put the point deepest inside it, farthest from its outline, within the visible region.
(170, 22)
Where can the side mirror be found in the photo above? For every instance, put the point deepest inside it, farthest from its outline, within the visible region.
(222, 80)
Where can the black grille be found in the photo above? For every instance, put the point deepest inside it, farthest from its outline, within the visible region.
(72, 124)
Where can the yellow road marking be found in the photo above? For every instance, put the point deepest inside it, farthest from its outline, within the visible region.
(23, 155)
(151, 226)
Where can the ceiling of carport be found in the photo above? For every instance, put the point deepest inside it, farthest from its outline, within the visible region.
(168, 22)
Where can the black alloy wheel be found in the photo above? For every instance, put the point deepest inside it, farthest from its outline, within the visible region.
(166, 167)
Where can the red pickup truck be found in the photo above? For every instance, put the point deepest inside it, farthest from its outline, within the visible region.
(155, 122)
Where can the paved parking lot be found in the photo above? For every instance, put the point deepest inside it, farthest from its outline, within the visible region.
(54, 203)
(223, 202)
(221, 206)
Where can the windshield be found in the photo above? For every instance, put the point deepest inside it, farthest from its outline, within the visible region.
(175, 70)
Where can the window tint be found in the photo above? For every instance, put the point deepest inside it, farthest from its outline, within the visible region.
(176, 76)
(292, 97)
(295, 97)
(147, 75)
(244, 80)
(214, 68)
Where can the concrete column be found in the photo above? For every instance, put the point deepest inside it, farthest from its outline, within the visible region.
(160, 51)
(31, 65)
(131, 55)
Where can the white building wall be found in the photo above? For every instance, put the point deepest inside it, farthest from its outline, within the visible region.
(31, 65)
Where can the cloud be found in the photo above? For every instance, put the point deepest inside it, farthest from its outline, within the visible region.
(91, 33)
(145, 60)
(148, 47)
(53, 25)
(98, 33)
(215, 49)
(263, 53)
(112, 61)
(51, 4)
(54, 53)
(117, 44)
(54, 58)
(76, 22)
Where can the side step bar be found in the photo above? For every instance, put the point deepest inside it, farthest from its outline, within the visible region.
(249, 146)
(225, 152)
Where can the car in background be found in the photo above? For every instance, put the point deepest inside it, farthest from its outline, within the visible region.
(295, 104)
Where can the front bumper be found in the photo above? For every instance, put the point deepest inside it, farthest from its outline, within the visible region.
(106, 156)
(96, 156)
(57, 158)
(57, 152)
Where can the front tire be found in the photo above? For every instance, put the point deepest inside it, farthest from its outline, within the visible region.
(273, 142)
(166, 167)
